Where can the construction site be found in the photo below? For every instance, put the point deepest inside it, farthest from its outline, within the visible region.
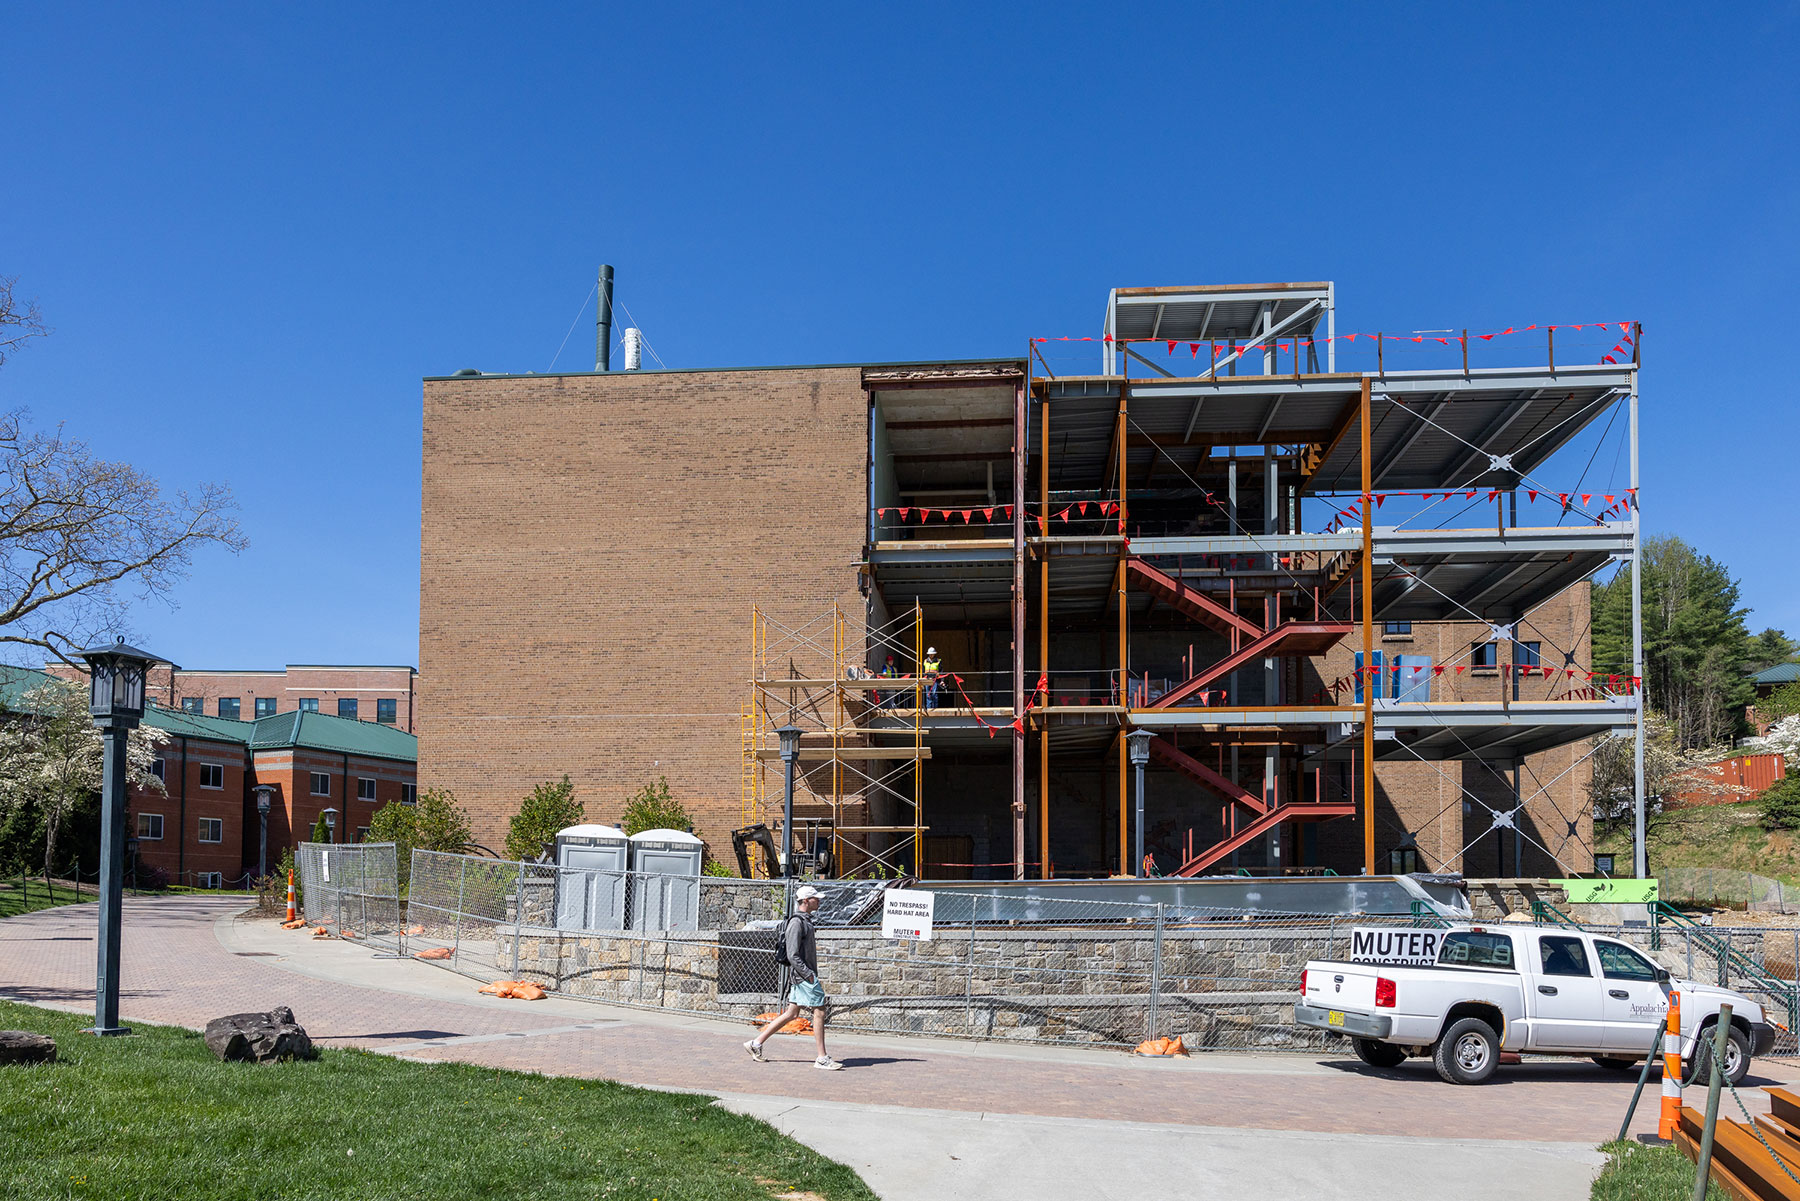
(1330, 589)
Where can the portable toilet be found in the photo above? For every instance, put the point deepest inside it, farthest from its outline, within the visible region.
(665, 880)
(591, 865)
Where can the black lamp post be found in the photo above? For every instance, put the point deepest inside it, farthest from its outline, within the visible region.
(116, 703)
(264, 800)
(1138, 749)
(330, 816)
(790, 752)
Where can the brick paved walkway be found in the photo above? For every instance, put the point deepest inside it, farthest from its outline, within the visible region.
(186, 961)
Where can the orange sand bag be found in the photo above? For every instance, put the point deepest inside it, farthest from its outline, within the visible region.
(797, 1026)
(434, 953)
(1161, 1046)
(414, 930)
(296, 924)
(519, 990)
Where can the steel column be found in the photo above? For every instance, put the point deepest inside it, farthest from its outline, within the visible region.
(1021, 431)
(1368, 631)
(1639, 855)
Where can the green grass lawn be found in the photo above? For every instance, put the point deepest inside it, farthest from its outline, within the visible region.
(36, 896)
(1717, 836)
(1635, 1172)
(156, 1115)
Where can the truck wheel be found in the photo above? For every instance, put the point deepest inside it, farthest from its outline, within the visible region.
(1467, 1053)
(1379, 1054)
(1617, 1064)
(1737, 1056)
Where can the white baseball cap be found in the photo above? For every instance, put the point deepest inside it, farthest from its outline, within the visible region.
(807, 892)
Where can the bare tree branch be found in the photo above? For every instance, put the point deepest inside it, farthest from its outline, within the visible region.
(83, 538)
(19, 319)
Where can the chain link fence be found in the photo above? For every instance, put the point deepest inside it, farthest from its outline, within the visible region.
(352, 888)
(1078, 972)
(1723, 888)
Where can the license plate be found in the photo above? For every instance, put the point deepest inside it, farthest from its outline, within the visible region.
(1334, 1017)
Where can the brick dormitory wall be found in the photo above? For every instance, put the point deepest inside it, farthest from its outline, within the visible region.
(591, 550)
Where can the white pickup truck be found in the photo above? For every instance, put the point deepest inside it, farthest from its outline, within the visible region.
(1546, 990)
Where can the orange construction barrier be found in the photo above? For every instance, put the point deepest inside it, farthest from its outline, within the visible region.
(291, 915)
(434, 953)
(1669, 1120)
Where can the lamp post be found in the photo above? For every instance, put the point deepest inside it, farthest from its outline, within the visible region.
(1138, 749)
(790, 752)
(264, 801)
(116, 703)
(330, 816)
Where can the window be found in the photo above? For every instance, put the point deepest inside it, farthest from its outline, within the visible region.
(265, 706)
(1471, 948)
(193, 704)
(1528, 654)
(212, 829)
(1563, 956)
(308, 704)
(346, 706)
(150, 827)
(212, 775)
(362, 833)
(387, 710)
(1396, 629)
(365, 788)
(1618, 962)
(159, 769)
(1485, 654)
(209, 879)
(231, 706)
(409, 794)
(321, 784)
(1403, 861)
(1603, 864)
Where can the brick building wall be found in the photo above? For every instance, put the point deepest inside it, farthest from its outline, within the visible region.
(204, 782)
(590, 552)
(323, 683)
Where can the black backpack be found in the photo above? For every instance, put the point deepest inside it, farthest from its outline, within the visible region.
(781, 951)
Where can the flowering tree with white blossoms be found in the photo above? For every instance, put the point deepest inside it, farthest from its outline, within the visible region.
(50, 755)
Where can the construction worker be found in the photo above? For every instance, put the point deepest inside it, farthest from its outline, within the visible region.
(889, 671)
(932, 666)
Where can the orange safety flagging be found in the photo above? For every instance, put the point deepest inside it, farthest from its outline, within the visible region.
(1670, 1118)
(290, 916)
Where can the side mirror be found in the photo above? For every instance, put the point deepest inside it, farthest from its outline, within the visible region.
(1662, 975)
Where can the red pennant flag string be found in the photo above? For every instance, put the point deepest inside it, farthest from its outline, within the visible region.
(903, 513)
(987, 514)
(967, 513)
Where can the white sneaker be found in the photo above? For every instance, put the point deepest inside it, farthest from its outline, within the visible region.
(826, 1063)
(755, 1051)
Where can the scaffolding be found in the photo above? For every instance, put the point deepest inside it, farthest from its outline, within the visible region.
(860, 752)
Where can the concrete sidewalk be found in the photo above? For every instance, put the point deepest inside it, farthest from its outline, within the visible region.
(918, 1116)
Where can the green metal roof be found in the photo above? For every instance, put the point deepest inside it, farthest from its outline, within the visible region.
(323, 732)
(1781, 673)
(16, 683)
(183, 724)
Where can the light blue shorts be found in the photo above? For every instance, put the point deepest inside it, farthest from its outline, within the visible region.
(807, 994)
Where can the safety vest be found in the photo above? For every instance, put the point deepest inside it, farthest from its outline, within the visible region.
(931, 667)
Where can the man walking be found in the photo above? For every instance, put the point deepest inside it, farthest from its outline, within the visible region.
(800, 950)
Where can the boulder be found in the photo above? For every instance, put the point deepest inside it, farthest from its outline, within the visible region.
(22, 1046)
(258, 1037)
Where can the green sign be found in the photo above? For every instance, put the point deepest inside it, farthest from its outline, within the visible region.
(1624, 892)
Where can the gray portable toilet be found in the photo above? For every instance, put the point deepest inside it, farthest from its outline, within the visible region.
(591, 864)
(665, 880)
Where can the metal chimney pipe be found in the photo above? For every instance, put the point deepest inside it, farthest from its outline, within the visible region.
(603, 321)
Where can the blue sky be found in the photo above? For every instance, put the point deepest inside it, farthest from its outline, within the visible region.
(254, 229)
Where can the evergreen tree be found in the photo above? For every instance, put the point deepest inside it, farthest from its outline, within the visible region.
(549, 808)
(1695, 641)
(1769, 648)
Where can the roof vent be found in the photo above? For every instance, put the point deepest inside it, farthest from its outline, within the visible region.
(634, 348)
(468, 371)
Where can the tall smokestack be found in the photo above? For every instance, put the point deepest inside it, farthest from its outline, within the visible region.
(603, 321)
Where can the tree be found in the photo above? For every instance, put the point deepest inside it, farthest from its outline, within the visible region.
(1782, 703)
(652, 808)
(1667, 768)
(51, 756)
(1780, 803)
(436, 823)
(1694, 640)
(320, 831)
(20, 320)
(1769, 648)
(549, 808)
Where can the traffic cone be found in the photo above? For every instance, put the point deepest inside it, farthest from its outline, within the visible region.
(1670, 1118)
(290, 916)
